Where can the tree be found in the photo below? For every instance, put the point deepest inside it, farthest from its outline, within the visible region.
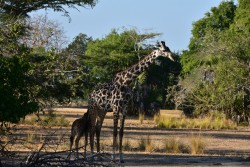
(114, 53)
(23, 69)
(16, 95)
(23, 7)
(79, 45)
(59, 77)
(218, 20)
(207, 31)
(44, 33)
(216, 70)
(15, 98)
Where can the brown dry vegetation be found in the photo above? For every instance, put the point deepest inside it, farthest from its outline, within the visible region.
(145, 144)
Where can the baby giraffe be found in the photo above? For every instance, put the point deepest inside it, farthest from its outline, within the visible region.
(78, 129)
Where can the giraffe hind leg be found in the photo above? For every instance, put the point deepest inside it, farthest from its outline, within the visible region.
(71, 144)
(121, 131)
(116, 116)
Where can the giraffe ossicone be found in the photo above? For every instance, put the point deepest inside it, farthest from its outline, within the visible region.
(114, 97)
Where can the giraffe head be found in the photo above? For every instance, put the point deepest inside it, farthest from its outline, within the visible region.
(162, 50)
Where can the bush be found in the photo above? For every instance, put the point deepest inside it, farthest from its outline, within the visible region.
(127, 145)
(173, 145)
(197, 144)
(146, 145)
(209, 122)
(50, 119)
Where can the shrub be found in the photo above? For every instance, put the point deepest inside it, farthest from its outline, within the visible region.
(173, 145)
(127, 145)
(141, 118)
(157, 119)
(197, 144)
(50, 119)
(146, 145)
(202, 123)
(142, 144)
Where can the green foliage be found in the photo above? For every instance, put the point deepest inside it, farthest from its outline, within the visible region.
(15, 100)
(23, 7)
(114, 53)
(32, 77)
(110, 55)
(219, 19)
(242, 18)
(16, 97)
(217, 64)
(162, 75)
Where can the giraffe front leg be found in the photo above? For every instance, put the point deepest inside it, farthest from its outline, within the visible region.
(122, 120)
(116, 115)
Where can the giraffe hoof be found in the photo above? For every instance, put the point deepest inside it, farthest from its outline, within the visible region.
(122, 161)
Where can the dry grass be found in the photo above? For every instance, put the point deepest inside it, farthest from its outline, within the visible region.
(204, 123)
(146, 145)
(141, 118)
(197, 144)
(48, 120)
(127, 145)
(174, 145)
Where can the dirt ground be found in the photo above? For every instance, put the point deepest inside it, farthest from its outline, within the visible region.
(223, 147)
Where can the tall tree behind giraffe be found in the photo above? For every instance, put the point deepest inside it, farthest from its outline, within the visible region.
(116, 52)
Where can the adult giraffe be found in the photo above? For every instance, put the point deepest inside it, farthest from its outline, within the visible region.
(115, 95)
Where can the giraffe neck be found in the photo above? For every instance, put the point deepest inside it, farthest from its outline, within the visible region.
(127, 76)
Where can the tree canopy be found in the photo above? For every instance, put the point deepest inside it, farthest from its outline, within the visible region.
(23, 7)
(216, 66)
(33, 70)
